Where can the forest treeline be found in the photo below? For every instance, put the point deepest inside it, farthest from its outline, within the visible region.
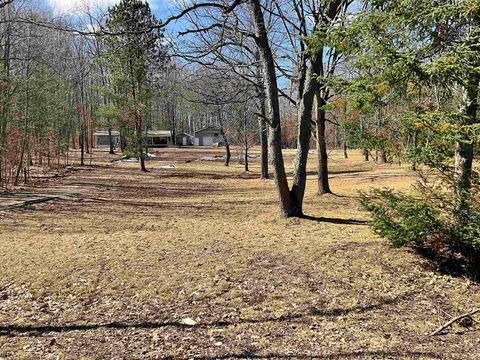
(62, 78)
(397, 79)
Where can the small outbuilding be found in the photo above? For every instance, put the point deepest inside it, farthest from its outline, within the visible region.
(208, 136)
(184, 139)
(101, 138)
(158, 138)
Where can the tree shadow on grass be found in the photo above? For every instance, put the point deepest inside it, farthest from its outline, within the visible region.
(338, 221)
(354, 172)
(251, 354)
(33, 330)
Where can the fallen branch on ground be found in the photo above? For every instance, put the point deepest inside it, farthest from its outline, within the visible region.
(454, 320)
(28, 203)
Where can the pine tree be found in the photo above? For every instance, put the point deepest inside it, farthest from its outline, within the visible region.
(135, 50)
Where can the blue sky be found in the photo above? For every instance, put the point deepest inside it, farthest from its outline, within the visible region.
(161, 8)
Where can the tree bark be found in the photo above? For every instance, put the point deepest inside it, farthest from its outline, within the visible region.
(139, 136)
(366, 154)
(110, 140)
(228, 153)
(305, 111)
(273, 106)
(264, 149)
(25, 138)
(262, 123)
(414, 163)
(323, 183)
(82, 144)
(5, 93)
(464, 151)
(245, 154)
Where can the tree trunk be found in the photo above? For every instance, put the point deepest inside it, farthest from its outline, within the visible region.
(345, 150)
(414, 164)
(82, 144)
(5, 93)
(261, 122)
(382, 155)
(139, 136)
(87, 142)
(246, 168)
(171, 108)
(25, 138)
(271, 92)
(110, 141)
(264, 149)
(228, 153)
(464, 151)
(323, 183)
(142, 161)
(305, 111)
(122, 139)
(365, 154)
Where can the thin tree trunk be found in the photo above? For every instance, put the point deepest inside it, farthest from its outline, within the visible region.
(262, 123)
(366, 154)
(382, 155)
(246, 157)
(464, 151)
(174, 124)
(83, 130)
(122, 139)
(110, 141)
(323, 183)
(228, 153)
(5, 99)
(414, 164)
(264, 148)
(87, 130)
(82, 144)
(139, 137)
(25, 129)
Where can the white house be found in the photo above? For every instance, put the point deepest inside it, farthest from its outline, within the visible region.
(208, 136)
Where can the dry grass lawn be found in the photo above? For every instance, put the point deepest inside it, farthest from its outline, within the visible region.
(111, 269)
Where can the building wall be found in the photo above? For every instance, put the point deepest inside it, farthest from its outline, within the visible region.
(103, 140)
(207, 138)
(158, 141)
(184, 140)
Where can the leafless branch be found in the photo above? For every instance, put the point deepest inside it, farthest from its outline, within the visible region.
(454, 320)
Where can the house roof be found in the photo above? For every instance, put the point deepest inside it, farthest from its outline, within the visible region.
(208, 129)
(105, 133)
(184, 133)
(159, 133)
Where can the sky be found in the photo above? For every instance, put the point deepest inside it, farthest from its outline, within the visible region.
(161, 8)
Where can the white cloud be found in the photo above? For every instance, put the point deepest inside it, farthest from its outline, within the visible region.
(68, 6)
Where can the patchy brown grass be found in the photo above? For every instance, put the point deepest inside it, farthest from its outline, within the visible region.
(110, 269)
